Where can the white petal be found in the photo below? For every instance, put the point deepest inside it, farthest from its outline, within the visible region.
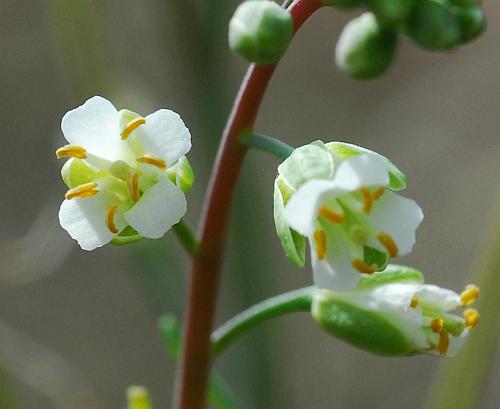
(85, 221)
(456, 343)
(399, 217)
(159, 208)
(362, 171)
(336, 271)
(302, 209)
(95, 126)
(438, 298)
(164, 135)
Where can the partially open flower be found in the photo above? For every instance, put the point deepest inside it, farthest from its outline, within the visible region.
(125, 170)
(341, 199)
(394, 313)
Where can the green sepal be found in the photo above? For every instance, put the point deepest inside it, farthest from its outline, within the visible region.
(390, 13)
(138, 398)
(392, 274)
(472, 22)
(342, 150)
(365, 49)
(359, 327)
(260, 31)
(294, 244)
(182, 174)
(433, 25)
(308, 162)
(76, 172)
(127, 236)
(375, 257)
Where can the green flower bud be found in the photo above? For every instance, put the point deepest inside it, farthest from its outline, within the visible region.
(433, 25)
(472, 22)
(343, 3)
(394, 313)
(182, 174)
(138, 398)
(260, 31)
(391, 12)
(365, 49)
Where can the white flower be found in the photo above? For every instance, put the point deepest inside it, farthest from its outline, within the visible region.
(118, 173)
(353, 221)
(401, 315)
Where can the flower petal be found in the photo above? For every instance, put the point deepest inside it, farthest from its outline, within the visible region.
(164, 135)
(361, 171)
(399, 217)
(159, 208)
(95, 126)
(302, 208)
(438, 298)
(456, 343)
(85, 221)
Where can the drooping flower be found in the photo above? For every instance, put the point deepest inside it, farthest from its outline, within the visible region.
(124, 170)
(341, 198)
(394, 313)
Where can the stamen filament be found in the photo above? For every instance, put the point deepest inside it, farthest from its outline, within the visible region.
(367, 199)
(444, 342)
(320, 241)
(85, 190)
(378, 193)
(132, 126)
(72, 151)
(133, 187)
(151, 160)
(472, 317)
(331, 215)
(362, 267)
(469, 295)
(388, 242)
(110, 219)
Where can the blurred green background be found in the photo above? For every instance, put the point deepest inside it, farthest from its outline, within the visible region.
(76, 328)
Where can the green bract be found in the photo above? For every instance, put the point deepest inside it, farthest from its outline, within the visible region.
(394, 313)
(260, 31)
(365, 49)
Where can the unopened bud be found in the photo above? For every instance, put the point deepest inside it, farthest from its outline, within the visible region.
(365, 49)
(391, 12)
(472, 22)
(260, 31)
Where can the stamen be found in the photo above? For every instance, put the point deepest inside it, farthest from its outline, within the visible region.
(159, 163)
(367, 199)
(85, 190)
(110, 219)
(133, 187)
(362, 267)
(444, 342)
(320, 241)
(472, 317)
(437, 325)
(331, 215)
(414, 302)
(469, 295)
(72, 151)
(132, 126)
(378, 193)
(388, 242)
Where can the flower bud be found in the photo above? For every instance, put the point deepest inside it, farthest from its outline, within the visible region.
(365, 49)
(433, 25)
(260, 31)
(394, 313)
(472, 22)
(182, 174)
(138, 398)
(391, 12)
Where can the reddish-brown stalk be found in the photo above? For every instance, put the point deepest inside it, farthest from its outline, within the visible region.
(204, 276)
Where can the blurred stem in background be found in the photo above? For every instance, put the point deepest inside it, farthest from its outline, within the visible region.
(6, 395)
(462, 380)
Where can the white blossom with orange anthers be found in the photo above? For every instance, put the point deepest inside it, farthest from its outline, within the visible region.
(118, 172)
(355, 224)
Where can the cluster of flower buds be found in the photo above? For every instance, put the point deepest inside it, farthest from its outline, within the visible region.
(261, 31)
(368, 43)
(126, 175)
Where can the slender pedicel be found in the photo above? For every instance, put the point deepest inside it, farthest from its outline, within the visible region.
(151, 160)
(85, 190)
(132, 126)
(71, 151)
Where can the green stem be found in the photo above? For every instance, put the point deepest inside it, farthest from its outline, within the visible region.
(293, 301)
(268, 144)
(186, 237)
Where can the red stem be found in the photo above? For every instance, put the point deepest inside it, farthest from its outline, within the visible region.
(204, 277)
